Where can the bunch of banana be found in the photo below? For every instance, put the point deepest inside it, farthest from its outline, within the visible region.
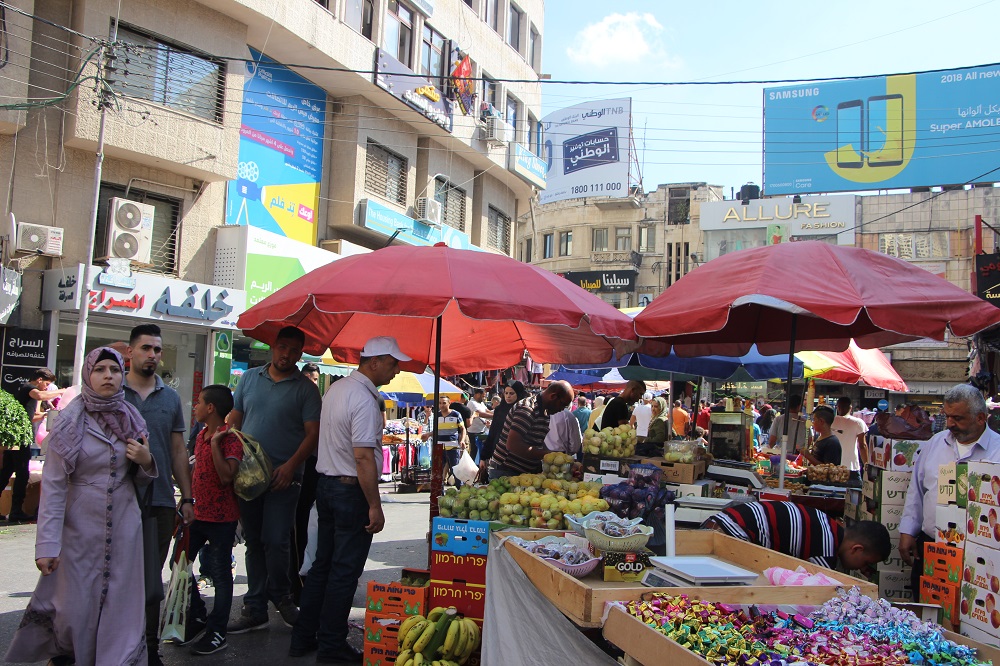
(443, 638)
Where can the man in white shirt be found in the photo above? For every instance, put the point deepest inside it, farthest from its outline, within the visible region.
(348, 460)
(851, 431)
(796, 427)
(480, 414)
(642, 414)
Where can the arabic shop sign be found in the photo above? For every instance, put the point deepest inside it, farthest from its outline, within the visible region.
(604, 281)
(25, 347)
(10, 293)
(151, 297)
(527, 165)
(988, 278)
(400, 82)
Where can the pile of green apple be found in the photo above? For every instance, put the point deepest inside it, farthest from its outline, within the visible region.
(610, 442)
(473, 502)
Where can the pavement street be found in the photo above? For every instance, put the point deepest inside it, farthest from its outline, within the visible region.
(403, 543)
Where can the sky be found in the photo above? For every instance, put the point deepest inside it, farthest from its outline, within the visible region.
(713, 133)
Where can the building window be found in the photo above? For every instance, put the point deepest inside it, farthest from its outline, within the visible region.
(173, 76)
(498, 233)
(547, 251)
(565, 243)
(490, 91)
(511, 116)
(534, 135)
(471, 4)
(385, 174)
(493, 14)
(915, 246)
(163, 255)
(360, 16)
(623, 239)
(534, 49)
(452, 203)
(398, 36)
(599, 240)
(526, 250)
(432, 61)
(647, 239)
(514, 28)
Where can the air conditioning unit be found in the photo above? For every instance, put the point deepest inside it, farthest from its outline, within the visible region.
(331, 245)
(130, 230)
(429, 210)
(499, 130)
(39, 239)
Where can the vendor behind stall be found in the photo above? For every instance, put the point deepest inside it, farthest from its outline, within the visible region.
(826, 449)
(805, 533)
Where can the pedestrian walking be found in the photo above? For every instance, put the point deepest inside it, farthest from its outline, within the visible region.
(280, 408)
(89, 602)
(160, 407)
(349, 508)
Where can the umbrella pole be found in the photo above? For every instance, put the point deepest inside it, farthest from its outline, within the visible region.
(437, 475)
(788, 395)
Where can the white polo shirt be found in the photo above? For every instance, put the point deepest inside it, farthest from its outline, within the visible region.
(350, 419)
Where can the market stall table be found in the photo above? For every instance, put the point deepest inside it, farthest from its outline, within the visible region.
(582, 600)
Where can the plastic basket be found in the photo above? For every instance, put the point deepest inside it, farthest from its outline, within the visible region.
(628, 544)
(575, 570)
(576, 524)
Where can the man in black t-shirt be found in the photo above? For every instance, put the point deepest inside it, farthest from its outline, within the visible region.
(827, 448)
(617, 411)
(15, 461)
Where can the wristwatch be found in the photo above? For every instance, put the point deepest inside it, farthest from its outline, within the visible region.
(187, 500)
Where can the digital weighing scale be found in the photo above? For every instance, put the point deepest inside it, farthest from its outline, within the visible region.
(702, 570)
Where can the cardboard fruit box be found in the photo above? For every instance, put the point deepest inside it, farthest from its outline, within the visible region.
(978, 609)
(984, 524)
(376, 654)
(677, 472)
(885, 487)
(984, 483)
(896, 455)
(950, 524)
(382, 629)
(603, 465)
(460, 537)
(398, 599)
(982, 567)
(450, 568)
(953, 484)
(941, 594)
(469, 600)
(943, 562)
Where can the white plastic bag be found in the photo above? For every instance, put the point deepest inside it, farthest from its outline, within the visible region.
(466, 470)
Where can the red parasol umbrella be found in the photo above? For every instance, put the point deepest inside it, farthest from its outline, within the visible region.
(834, 293)
(490, 309)
(853, 366)
(458, 310)
(807, 295)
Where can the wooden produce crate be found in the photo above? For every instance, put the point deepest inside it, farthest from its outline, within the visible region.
(647, 646)
(582, 600)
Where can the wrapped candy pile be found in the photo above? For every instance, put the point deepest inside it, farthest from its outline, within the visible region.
(850, 630)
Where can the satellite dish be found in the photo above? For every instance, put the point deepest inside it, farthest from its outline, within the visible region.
(9, 231)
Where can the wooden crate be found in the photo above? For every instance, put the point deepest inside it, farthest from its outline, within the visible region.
(582, 600)
(647, 646)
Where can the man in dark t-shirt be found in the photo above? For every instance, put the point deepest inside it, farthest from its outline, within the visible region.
(827, 448)
(617, 411)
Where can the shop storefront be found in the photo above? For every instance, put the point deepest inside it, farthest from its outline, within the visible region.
(188, 314)
(734, 225)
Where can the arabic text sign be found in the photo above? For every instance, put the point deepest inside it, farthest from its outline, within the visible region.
(604, 281)
(10, 293)
(988, 278)
(61, 288)
(281, 152)
(157, 297)
(398, 80)
(886, 132)
(25, 347)
(273, 262)
(588, 149)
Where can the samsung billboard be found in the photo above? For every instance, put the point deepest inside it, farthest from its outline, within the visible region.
(914, 130)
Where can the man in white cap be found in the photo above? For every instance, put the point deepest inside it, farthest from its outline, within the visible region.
(349, 461)
(642, 414)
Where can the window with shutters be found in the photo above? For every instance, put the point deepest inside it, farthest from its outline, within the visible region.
(452, 200)
(385, 174)
(498, 233)
(163, 256)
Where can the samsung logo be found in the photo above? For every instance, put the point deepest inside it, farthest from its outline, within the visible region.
(793, 94)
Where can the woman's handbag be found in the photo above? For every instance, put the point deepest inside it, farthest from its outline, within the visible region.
(152, 578)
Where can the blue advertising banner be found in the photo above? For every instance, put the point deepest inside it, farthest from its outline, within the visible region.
(889, 132)
(528, 166)
(281, 152)
(386, 221)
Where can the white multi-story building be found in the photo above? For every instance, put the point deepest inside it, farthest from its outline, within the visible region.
(321, 128)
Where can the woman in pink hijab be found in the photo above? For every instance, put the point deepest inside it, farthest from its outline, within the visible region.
(88, 606)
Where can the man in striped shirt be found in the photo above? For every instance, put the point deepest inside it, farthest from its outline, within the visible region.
(805, 533)
(521, 446)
